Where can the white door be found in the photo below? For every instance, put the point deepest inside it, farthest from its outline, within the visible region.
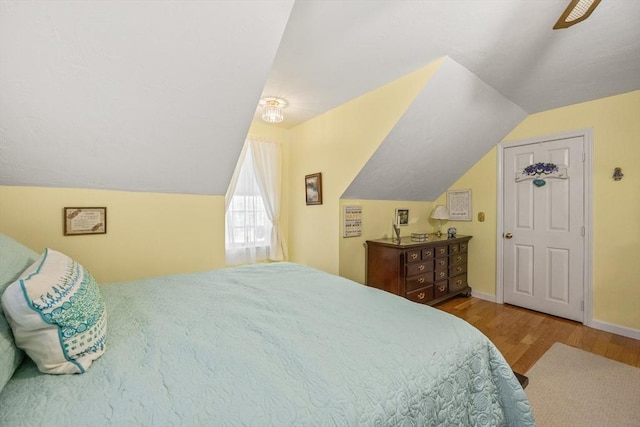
(543, 234)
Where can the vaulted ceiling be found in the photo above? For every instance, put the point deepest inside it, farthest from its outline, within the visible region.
(159, 95)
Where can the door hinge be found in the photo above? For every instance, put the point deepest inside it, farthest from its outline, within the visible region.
(582, 231)
(581, 305)
(584, 157)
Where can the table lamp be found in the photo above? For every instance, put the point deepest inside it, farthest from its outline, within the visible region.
(440, 213)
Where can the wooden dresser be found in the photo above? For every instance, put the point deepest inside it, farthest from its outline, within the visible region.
(425, 272)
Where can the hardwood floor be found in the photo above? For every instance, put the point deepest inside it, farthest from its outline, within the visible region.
(523, 336)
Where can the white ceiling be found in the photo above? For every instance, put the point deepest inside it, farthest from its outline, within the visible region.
(334, 51)
(159, 95)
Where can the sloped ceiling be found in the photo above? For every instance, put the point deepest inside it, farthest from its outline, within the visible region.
(334, 51)
(158, 95)
(451, 124)
(131, 95)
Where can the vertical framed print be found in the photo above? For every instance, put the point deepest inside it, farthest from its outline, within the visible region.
(402, 217)
(459, 204)
(313, 188)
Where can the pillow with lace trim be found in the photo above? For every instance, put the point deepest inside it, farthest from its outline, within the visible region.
(57, 314)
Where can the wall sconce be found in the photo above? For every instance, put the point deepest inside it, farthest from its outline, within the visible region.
(272, 109)
(440, 213)
(617, 174)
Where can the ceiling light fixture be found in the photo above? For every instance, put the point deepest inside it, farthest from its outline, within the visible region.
(272, 109)
(577, 11)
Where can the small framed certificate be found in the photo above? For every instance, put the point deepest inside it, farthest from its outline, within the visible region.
(78, 221)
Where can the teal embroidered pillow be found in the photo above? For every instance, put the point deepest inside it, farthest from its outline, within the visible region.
(57, 314)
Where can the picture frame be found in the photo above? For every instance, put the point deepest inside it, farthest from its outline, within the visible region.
(84, 220)
(352, 221)
(313, 188)
(402, 217)
(459, 205)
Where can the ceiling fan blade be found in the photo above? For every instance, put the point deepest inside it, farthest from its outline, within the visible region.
(577, 11)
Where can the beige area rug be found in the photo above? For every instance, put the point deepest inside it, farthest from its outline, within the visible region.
(571, 387)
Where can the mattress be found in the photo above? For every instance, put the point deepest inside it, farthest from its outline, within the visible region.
(275, 344)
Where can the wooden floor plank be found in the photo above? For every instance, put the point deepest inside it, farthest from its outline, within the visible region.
(523, 336)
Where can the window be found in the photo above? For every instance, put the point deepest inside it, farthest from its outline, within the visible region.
(249, 233)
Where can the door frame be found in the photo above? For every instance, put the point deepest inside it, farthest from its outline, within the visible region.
(587, 135)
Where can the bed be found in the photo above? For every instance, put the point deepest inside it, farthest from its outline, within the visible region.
(266, 345)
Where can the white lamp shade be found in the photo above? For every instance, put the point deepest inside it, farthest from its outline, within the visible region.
(440, 212)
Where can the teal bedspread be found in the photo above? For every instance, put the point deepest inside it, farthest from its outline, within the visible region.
(277, 344)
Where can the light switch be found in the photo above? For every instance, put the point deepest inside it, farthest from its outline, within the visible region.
(481, 216)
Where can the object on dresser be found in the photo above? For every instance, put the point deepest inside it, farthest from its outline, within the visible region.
(440, 213)
(425, 272)
(419, 237)
(451, 233)
(396, 230)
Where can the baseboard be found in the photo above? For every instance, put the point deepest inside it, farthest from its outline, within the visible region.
(480, 295)
(615, 329)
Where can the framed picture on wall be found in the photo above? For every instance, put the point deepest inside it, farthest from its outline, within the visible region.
(402, 217)
(313, 188)
(78, 221)
(459, 204)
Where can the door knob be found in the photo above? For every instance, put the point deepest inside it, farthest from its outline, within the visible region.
(508, 235)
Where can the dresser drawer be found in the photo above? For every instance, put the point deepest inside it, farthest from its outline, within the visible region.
(441, 251)
(419, 268)
(454, 248)
(441, 288)
(458, 283)
(441, 273)
(464, 246)
(418, 282)
(454, 270)
(422, 295)
(428, 254)
(413, 255)
(458, 259)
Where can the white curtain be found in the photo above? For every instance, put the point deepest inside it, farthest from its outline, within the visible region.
(252, 226)
(267, 165)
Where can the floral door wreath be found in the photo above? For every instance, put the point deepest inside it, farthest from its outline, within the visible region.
(538, 172)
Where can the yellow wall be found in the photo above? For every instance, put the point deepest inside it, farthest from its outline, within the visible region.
(481, 179)
(616, 205)
(338, 144)
(148, 234)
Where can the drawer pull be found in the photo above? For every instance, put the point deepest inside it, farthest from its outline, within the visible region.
(441, 262)
(459, 258)
(428, 253)
(459, 282)
(421, 295)
(421, 267)
(442, 288)
(414, 256)
(442, 274)
(463, 247)
(458, 269)
(421, 280)
(442, 251)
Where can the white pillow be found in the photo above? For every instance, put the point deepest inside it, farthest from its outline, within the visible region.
(57, 314)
